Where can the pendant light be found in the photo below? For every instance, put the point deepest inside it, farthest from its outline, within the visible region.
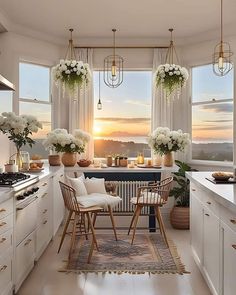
(113, 67)
(222, 63)
(99, 104)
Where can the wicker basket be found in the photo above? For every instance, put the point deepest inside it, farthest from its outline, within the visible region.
(179, 217)
(54, 160)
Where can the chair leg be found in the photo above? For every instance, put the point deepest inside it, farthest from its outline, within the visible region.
(112, 221)
(158, 220)
(132, 221)
(84, 224)
(92, 230)
(94, 218)
(162, 225)
(73, 235)
(91, 251)
(65, 230)
(139, 208)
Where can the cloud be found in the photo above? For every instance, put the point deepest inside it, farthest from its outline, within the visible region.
(213, 128)
(217, 121)
(124, 120)
(138, 103)
(219, 108)
(124, 134)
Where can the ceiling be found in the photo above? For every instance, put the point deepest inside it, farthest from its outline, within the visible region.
(133, 18)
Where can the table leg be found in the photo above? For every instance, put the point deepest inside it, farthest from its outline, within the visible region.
(152, 220)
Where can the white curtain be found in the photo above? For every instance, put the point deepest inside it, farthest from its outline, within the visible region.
(77, 113)
(162, 109)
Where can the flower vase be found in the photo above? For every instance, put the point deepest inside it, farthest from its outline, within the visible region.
(69, 159)
(168, 159)
(18, 159)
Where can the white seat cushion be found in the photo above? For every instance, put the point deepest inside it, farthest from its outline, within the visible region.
(148, 198)
(100, 200)
(95, 185)
(78, 185)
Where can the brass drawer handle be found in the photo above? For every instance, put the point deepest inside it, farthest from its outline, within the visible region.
(45, 222)
(2, 210)
(61, 175)
(27, 242)
(2, 240)
(44, 211)
(207, 214)
(3, 267)
(209, 203)
(45, 183)
(233, 221)
(3, 223)
(193, 189)
(44, 195)
(234, 246)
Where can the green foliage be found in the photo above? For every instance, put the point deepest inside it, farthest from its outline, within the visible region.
(181, 190)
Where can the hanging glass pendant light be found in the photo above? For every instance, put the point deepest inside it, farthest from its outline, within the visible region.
(171, 77)
(222, 63)
(113, 67)
(99, 105)
(71, 73)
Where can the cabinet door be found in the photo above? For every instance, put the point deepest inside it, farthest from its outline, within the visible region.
(229, 260)
(196, 225)
(211, 241)
(58, 202)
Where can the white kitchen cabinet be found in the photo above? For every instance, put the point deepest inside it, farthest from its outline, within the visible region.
(196, 224)
(211, 246)
(229, 261)
(58, 203)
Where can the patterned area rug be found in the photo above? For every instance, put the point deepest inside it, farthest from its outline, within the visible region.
(149, 253)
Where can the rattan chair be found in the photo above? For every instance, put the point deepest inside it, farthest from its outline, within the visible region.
(154, 195)
(73, 207)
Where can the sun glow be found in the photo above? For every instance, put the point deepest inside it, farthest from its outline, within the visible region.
(97, 130)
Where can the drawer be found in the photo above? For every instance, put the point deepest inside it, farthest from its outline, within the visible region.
(43, 186)
(5, 241)
(228, 217)
(25, 253)
(6, 208)
(6, 223)
(43, 234)
(5, 271)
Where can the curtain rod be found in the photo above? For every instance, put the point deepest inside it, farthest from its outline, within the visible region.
(121, 47)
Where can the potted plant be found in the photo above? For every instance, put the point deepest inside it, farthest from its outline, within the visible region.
(179, 215)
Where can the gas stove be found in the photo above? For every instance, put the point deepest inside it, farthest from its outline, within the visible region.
(17, 181)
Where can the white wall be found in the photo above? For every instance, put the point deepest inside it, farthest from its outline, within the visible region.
(15, 48)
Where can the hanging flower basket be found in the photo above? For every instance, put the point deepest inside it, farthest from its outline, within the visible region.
(72, 74)
(172, 78)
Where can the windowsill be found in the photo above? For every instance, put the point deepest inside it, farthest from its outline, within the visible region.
(210, 163)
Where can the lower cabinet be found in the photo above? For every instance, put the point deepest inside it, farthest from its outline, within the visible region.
(211, 246)
(6, 281)
(25, 256)
(229, 261)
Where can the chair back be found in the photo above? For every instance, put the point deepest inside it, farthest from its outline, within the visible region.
(69, 197)
(155, 194)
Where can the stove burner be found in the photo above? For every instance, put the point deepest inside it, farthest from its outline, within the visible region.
(8, 179)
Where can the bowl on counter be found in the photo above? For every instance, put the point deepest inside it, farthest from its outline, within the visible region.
(84, 163)
(222, 176)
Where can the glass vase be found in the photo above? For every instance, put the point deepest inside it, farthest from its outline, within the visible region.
(18, 159)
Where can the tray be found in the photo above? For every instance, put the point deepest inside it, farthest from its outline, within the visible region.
(149, 166)
(32, 170)
(229, 181)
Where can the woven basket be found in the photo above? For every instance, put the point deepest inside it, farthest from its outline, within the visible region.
(179, 217)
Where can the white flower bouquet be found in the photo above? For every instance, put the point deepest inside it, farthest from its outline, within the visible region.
(163, 141)
(62, 141)
(72, 74)
(172, 78)
(19, 128)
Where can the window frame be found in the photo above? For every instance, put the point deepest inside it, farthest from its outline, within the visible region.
(191, 104)
(95, 103)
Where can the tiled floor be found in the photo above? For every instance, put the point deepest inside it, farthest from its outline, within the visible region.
(46, 280)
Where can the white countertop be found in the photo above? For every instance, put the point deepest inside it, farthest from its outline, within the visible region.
(93, 169)
(225, 194)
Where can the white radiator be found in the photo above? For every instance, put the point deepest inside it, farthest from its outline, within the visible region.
(126, 190)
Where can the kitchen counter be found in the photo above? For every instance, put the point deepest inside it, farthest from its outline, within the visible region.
(225, 194)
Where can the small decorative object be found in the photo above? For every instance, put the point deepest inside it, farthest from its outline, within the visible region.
(54, 160)
(109, 161)
(222, 63)
(61, 141)
(157, 160)
(179, 216)
(123, 161)
(97, 163)
(140, 158)
(19, 129)
(99, 105)
(117, 161)
(84, 163)
(72, 74)
(113, 67)
(163, 142)
(170, 76)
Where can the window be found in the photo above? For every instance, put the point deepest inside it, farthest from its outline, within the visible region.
(5, 101)
(212, 115)
(122, 126)
(35, 99)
